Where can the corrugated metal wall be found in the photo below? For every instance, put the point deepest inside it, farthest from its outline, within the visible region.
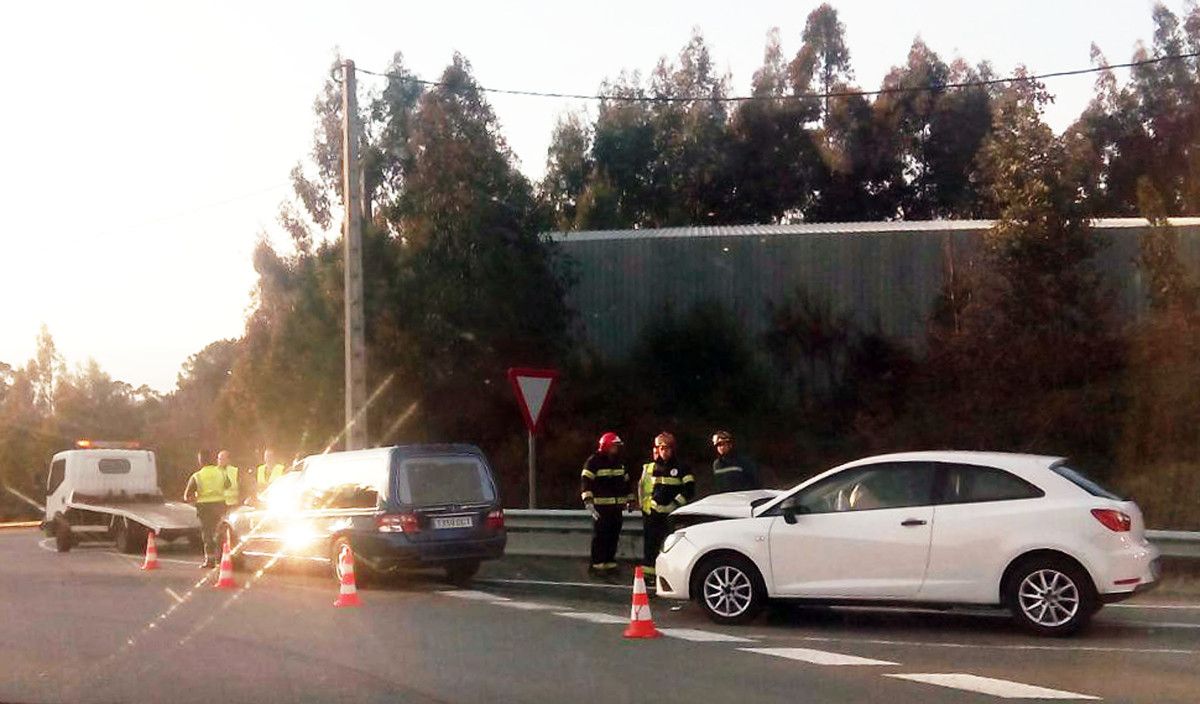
(628, 279)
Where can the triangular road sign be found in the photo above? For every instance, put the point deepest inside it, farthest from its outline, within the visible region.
(533, 388)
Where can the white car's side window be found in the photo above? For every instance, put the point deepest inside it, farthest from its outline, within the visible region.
(877, 486)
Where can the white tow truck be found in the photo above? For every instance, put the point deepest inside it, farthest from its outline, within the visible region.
(110, 490)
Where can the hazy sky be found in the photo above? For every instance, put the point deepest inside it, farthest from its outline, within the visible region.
(146, 145)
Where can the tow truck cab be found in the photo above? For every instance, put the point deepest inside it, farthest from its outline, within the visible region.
(100, 474)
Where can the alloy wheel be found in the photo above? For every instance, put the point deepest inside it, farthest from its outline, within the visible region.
(1048, 598)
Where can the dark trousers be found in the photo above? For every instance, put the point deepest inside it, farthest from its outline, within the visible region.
(606, 531)
(210, 515)
(655, 529)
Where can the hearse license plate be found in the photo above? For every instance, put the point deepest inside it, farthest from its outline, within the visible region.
(453, 522)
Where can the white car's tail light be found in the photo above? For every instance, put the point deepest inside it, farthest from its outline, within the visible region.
(1113, 519)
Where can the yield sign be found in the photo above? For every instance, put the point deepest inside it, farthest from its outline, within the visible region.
(532, 387)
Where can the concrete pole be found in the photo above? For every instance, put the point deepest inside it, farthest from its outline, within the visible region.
(356, 352)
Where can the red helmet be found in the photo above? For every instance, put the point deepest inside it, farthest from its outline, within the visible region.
(609, 439)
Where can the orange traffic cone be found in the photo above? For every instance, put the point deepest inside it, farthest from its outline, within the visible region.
(347, 589)
(641, 625)
(225, 578)
(151, 561)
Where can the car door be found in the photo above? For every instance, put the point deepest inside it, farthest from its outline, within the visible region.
(979, 511)
(861, 533)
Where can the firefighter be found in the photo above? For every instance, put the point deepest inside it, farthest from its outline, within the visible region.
(666, 484)
(605, 489)
(207, 487)
(732, 471)
(268, 471)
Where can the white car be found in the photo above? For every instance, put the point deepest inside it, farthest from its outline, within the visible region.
(1025, 532)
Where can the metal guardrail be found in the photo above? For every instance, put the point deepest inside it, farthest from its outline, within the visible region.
(1176, 543)
(567, 533)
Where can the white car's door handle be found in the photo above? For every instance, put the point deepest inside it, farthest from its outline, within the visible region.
(913, 522)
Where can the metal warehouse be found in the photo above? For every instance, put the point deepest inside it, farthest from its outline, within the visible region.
(887, 274)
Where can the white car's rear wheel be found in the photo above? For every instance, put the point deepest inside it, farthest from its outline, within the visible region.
(1051, 596)
(729, 589)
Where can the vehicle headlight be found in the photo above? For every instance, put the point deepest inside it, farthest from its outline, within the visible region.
(672, 540)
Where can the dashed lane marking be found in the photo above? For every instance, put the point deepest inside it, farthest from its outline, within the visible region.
(816, 657)
(994, 687)
(529, 606)
(698, 636)
(1182, 607)
(592, 617)
(548, 583)
(472, 595)
(1157, 624)
(979, 646)
(178, 599)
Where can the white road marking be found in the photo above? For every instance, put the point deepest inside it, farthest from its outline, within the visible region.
(175, 596)
(977, 646)
(529, 606)
(996, 688)
(472, 595)
(592, 617)
(816, 657)
(1158, 624)
(548, 583)
(1188, 607)
(698, 636)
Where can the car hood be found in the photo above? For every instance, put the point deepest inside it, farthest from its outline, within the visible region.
(733, 504)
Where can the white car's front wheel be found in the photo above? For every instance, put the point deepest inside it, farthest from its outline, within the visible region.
(729, 589)
(1051, 596)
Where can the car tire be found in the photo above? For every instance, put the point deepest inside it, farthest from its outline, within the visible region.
(729, 589)
(63, 540)
(1050, 596)
(461, 573)
(363, 576)
(130, 537)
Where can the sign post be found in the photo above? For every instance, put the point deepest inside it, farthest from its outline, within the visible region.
(532, 388)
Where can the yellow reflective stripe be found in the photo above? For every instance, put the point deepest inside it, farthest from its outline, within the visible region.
(648, 570)
(586, 495)
(588, 473)
(688, 478)
(608, 501)
(681, 499)
(668, 481)
(726, 470)
(610, 472)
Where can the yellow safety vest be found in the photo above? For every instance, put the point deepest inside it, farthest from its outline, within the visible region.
(646, 487)
(231, 491)
(265, 479)
(210, 484)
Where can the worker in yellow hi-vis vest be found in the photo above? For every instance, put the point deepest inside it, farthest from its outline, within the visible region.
(268, 471)
(666, 484)
(207, 488)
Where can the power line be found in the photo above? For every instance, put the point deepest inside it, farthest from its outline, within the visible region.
(798, 96)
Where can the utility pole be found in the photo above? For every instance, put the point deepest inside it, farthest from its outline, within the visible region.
(356, 352)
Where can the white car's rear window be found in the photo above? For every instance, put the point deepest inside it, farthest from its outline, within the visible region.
(1084, 482)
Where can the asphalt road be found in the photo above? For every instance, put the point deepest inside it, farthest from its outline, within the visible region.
(88, 626)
